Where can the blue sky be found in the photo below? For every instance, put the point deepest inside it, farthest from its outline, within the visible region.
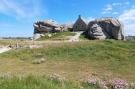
(17, 16)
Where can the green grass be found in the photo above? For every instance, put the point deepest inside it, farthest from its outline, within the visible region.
(39, 82)
(83, 37)
(107, 59)
(90, 86)
(58, 36)
(13, 42)
(33, 82)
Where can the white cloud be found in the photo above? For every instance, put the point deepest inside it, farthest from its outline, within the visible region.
(114, 7)
(115, 13)
(88, 19)
(116, 4)
(20, 9)
(106, 12)
(108, 8)
(128, 18)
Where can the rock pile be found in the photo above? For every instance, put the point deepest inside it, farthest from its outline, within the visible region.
(105, 28)
(42, 28)
(46, 26)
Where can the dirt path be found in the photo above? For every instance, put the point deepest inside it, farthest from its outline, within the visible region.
(72, 39)
(4, 49)
(76, 37)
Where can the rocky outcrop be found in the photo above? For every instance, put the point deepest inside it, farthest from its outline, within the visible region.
(105, 28)
(67, 27)
(96, 32)
(42, 27)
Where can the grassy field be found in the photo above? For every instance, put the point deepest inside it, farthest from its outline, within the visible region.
(62, 36)
(58, 36)
(40, 82)
(76, 61)
(13, 42)
(83, 37)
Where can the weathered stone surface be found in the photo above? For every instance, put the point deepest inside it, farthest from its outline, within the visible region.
(96, 32)
(67, 27)
(47, 26)
(105, 28)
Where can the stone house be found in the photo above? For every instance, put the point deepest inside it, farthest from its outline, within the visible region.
(79, 25)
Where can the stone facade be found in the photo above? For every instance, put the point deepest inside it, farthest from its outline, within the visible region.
(79, 25)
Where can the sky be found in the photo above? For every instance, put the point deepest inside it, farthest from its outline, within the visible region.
(17, 16)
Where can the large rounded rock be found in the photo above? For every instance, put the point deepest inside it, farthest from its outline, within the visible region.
(96, 32)
(105, 28)
(42, 27)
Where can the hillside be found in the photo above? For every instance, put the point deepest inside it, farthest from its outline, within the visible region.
(58, 36)
(76, 61)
